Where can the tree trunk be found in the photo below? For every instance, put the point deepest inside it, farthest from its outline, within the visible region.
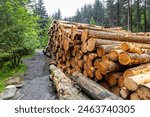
(118, 36)
(133, 58)
(132, 83)
(144, 91)
(92, 89)
(65, 87)
(137, 70)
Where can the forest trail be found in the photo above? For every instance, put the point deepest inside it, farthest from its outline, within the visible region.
(37, 85)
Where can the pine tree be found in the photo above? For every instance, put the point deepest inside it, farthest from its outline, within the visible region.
(92, 21)
(43, 22)
(57, 15)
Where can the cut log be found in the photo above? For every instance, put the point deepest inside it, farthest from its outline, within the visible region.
(79, 54)
(90, 72)
(134, 96)
(105, 49)
(92, 56)
(114, 54)
(72, 61)
(63, 85)
(128, 47)
(133, 58)
(81, 64)
(98, 74)
(108, 66)
(97, 63)
(84, 35)
(84, 47)
(137, 70)
(112, 78)
(89, 62)
(144, 91)
(120, 81)
(99, 42)
(92, 89)
(132, 83)
(118, 36)
(124, 93)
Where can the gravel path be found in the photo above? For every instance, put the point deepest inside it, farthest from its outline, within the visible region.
(37, 85)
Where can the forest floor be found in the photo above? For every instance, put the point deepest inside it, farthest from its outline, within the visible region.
(37, 85)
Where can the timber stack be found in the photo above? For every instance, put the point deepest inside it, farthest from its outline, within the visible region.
(114, 58)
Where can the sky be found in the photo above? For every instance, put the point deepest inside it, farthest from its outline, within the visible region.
(67, 7)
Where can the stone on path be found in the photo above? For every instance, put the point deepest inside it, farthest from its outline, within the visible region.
(8, 93)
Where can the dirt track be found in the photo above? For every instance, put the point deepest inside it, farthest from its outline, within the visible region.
(37, 85)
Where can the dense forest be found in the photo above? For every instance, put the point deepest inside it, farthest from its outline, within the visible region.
(23, 27)
(133, 15)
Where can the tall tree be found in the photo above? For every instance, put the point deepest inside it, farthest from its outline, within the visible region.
(138, 15)
(43, 22)
(129, 15)
(57, 15)
(145, 21)
(118, 12)
(98, 12)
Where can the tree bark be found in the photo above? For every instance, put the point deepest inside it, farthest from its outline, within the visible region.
(137, 70)
(132, 83)
(65, 87)
(92, 89)
(133, 58)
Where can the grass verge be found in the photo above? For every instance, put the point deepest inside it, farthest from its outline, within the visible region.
(7, 72)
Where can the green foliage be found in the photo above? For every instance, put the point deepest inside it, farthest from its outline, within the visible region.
(92, 21)
(17, 25)
(6, 72)
(43, 24)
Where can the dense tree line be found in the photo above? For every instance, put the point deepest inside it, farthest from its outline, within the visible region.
(23, 26)
(133, 15)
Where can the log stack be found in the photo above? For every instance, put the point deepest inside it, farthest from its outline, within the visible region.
(114, 58)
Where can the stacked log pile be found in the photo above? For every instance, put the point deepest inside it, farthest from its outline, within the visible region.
(114, 58)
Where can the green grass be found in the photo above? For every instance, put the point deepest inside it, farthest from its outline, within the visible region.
(7, 72)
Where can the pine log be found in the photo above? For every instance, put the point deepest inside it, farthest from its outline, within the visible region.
(90, 72)
(120, 81)
(84, 35)
(124, 93)
(81, 64)
(97, 63)
(144, 91)
(73, 64)
(99, 42)
(114, 54)
(92, 89)
(89, 62)
(105, 49)
(134, 96)
(106, 57)
(118, 36)
(98, 74)
(108, 66)
(84, 47)
(79, 54)
(137, 70)
(128, 47)
(112, 78)
(132, 83)
(64, 84)
(92, 56)
(133, 58)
